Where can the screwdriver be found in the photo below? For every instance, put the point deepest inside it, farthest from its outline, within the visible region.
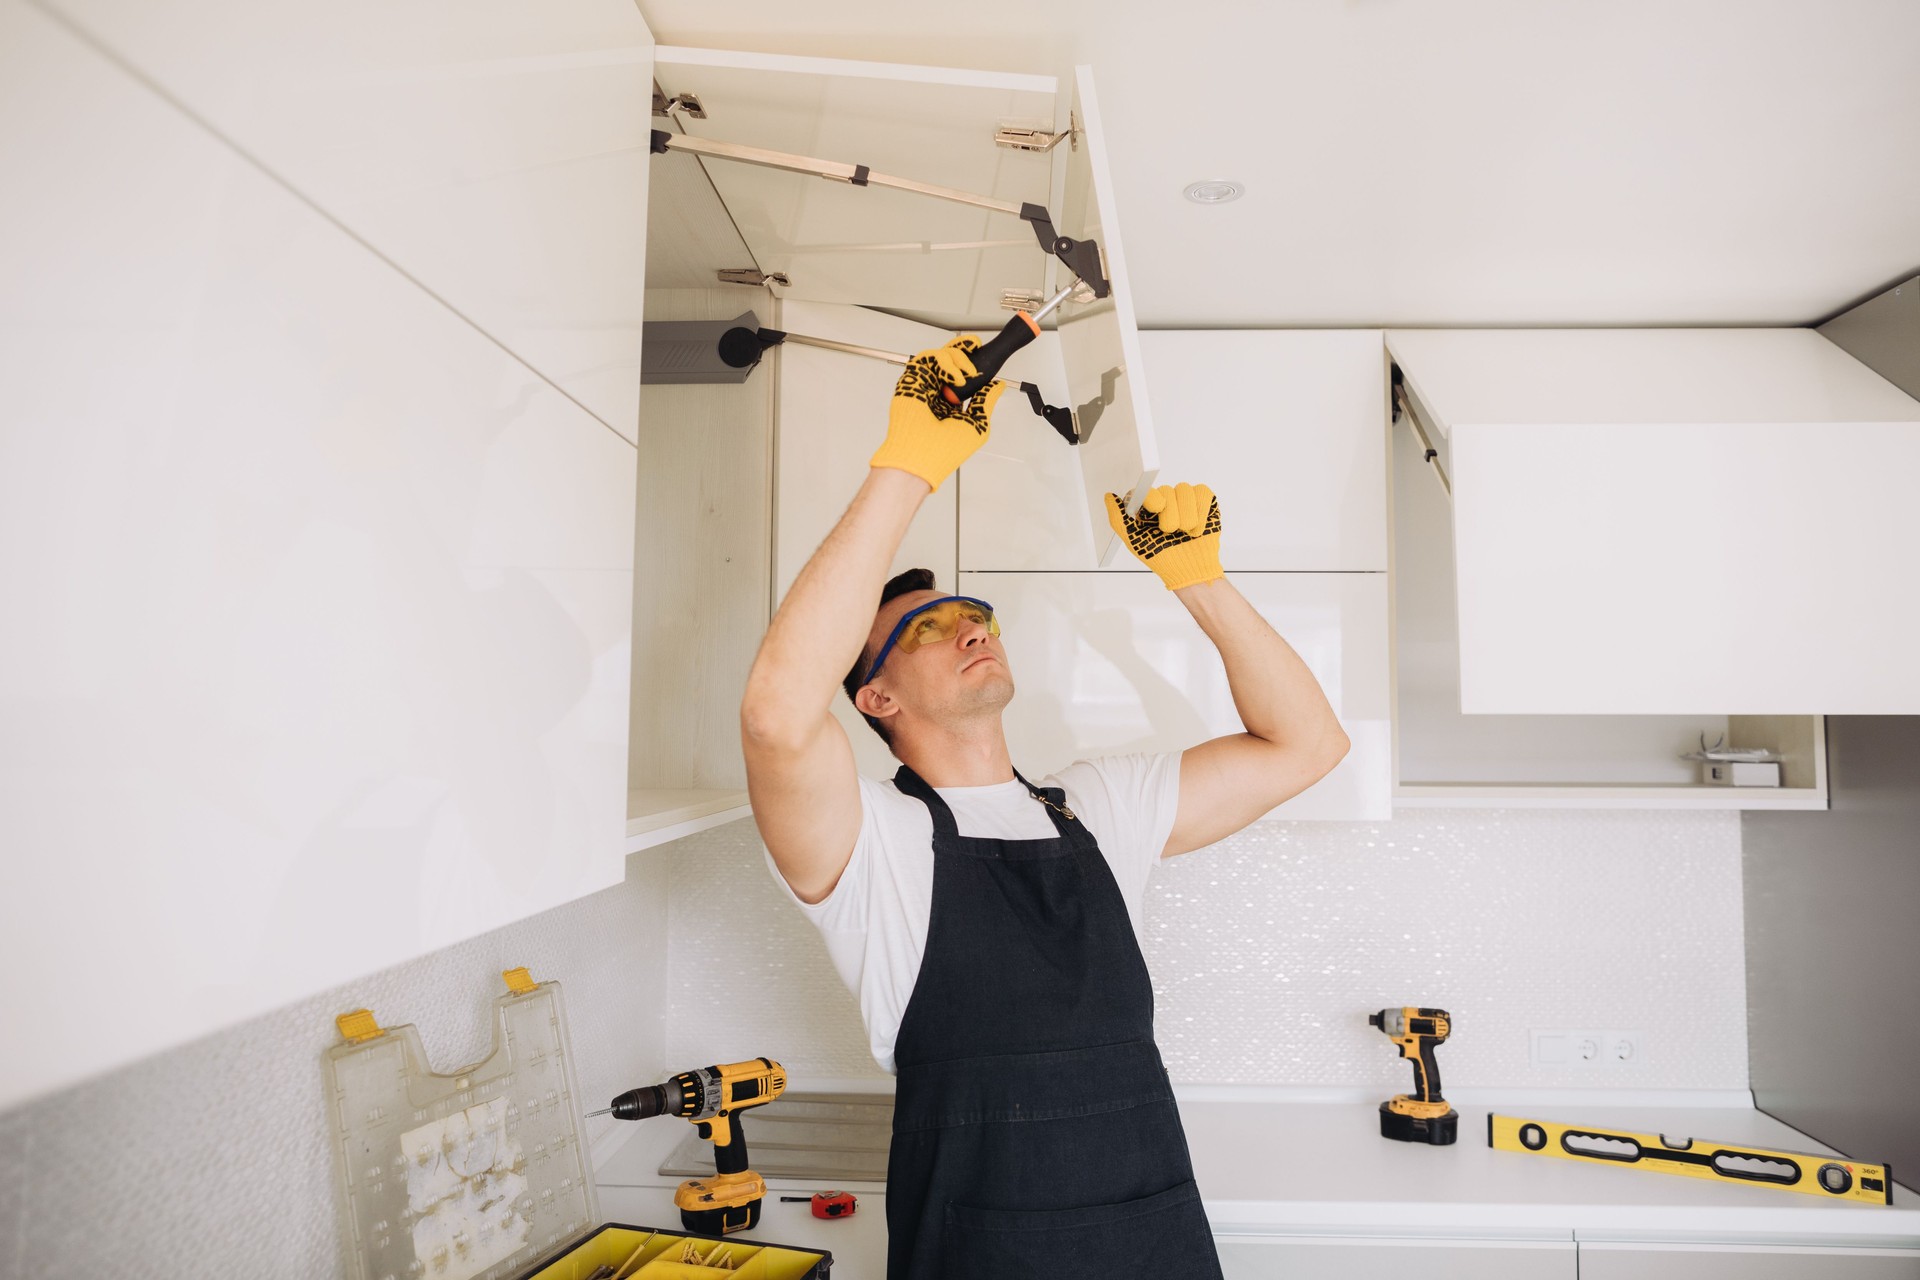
(1020, 330)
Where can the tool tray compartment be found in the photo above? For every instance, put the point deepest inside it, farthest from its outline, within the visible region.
(661, 1258)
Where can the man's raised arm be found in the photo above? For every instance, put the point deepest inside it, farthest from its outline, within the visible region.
(800, 771)
(1292, 736)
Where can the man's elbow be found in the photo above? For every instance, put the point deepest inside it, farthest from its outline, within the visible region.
(772, 727)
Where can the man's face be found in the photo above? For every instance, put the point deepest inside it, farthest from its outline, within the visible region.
(963, 676)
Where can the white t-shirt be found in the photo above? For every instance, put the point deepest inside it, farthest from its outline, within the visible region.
(875, 920)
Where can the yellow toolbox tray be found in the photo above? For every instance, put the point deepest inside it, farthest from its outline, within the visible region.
(660, 1252)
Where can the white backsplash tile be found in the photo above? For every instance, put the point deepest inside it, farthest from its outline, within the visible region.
(1269, 949)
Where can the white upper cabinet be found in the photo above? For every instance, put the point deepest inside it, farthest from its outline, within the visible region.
(494, 151)
(314, 651)
(943, 262)
(1284, 426)
(1674, 522)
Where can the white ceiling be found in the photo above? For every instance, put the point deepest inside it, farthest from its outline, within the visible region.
(1456, 162)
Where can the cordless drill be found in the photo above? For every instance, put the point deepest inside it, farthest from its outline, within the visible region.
(709, 1096)
(1423, 1115)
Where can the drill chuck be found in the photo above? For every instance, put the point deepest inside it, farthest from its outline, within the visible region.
(639, 1104)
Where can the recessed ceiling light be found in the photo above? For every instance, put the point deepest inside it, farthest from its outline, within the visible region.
(1214, 191)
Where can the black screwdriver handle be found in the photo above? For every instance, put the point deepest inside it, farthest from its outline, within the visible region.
(987, 360)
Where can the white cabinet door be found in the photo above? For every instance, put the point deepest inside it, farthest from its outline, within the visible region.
(1631, 1261)
(1285, 426)
(314, 650)
(1113, 662)
(1675, 523)
(492, 150)
(1385, 1258)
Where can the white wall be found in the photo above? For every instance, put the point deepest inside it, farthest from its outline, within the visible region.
(214, 1159)
(1268, 949)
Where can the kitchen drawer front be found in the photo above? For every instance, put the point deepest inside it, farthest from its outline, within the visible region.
(1394, 1258)
(1626, 1260)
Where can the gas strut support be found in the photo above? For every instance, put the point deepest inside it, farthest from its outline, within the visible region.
(1082, 257)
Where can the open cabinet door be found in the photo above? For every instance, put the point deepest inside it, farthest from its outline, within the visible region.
(1099, 341)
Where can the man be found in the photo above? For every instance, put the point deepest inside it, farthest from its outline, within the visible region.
(986, 923)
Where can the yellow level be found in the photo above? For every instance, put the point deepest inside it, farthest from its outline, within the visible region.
(1829, 1177)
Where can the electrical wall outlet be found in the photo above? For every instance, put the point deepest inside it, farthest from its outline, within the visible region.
(1586, 1048)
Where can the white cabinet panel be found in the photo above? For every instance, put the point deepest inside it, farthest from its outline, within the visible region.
(1100, 342)
(1629, 1261)
(314, 651)
(873, 245)
(1687, 568)
(1606, 376)
(495, 151)
(1387, 1258)
(1283, 425)
(1113, 662)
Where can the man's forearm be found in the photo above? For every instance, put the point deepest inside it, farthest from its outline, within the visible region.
(822, 624)
(1275, 693)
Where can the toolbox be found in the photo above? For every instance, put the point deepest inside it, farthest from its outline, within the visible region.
(481, 1174)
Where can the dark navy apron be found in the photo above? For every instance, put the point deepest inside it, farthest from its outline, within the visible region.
(1034, 1128)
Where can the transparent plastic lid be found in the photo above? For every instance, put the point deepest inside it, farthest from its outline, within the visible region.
(475, 1173)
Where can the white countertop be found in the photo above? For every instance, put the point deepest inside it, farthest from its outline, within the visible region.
(1269, 1167)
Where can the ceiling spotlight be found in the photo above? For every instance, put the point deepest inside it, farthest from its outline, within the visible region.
(1216, 191)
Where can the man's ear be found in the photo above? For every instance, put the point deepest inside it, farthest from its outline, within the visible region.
(870, 701)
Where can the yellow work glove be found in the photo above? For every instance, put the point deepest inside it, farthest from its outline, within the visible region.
(926, 435)
(1176, 534)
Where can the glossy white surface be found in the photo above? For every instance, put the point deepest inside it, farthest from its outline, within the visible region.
(1100, 341)
(874, 246)
(1113, 662)
(314, 653)
(495, 152)
(1283, 426)
(1687, 568)
(1653, 376)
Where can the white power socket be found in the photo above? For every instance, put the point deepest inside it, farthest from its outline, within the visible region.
(1580, 1048)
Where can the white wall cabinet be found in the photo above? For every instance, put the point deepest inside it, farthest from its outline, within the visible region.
(1105, 663)
(1674, 522)
(314, 657)
(1390, 1258)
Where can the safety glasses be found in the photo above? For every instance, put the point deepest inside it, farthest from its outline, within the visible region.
(932, 622)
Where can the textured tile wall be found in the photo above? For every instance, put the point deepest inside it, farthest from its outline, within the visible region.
(1269, 949)
(214, 1159)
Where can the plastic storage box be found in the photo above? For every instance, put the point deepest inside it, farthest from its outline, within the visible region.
(481, 1173)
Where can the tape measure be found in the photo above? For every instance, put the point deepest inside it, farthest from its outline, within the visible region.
(1830, 1177)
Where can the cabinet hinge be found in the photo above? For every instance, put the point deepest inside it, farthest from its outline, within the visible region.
(1020, 299)
(747, 275)
(686, 103)
(1032, 139)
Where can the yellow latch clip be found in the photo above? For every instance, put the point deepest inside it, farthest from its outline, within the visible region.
(357, 1026)
(519, 981)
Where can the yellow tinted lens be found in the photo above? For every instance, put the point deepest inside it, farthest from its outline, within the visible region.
(942, 622)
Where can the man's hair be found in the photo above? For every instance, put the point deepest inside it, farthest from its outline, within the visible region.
(898, 585)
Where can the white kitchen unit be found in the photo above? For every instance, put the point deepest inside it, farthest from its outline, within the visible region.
(1283, 426)
(494, 152)
(314, 657)
(1105, 663)
(1378, 1258)
(1445, 758)
(1673, 522)
(1608, 1260)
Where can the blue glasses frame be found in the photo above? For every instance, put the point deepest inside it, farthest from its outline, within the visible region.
(901, 625)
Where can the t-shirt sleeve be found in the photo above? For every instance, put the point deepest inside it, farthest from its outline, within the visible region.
(846, 906)
(1130, 803)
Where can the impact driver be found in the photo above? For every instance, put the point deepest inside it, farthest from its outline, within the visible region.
(1423, 1115)
(709, 1097)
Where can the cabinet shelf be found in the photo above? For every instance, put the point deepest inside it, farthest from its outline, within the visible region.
(1538, 795)
(657, 815)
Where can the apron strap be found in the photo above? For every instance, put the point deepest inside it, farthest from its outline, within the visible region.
(910, 783)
